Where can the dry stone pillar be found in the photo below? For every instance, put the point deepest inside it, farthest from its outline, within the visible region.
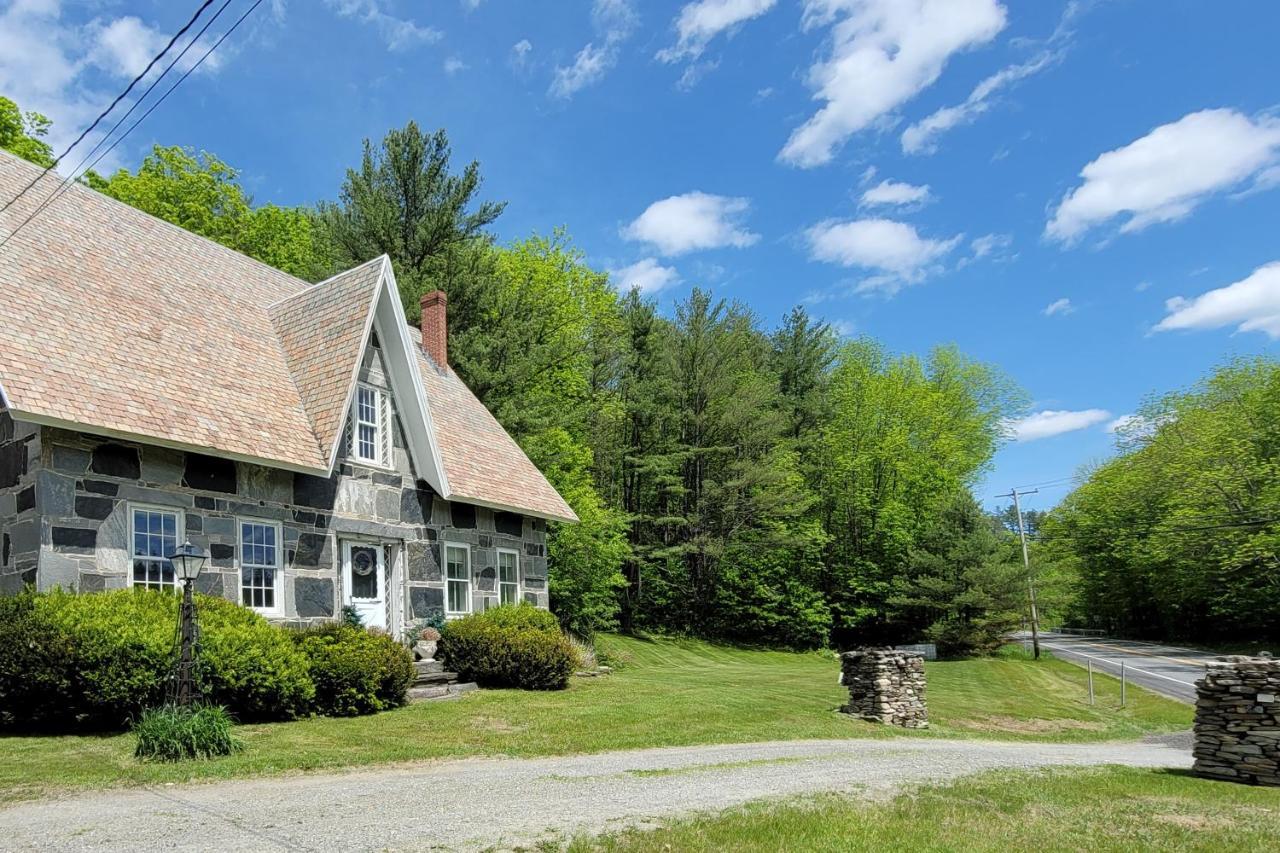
(885, 686)
(1237, 728)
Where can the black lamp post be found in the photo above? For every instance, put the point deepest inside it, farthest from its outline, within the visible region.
(187, 562)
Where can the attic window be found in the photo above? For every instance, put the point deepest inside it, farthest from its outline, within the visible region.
(369, 432)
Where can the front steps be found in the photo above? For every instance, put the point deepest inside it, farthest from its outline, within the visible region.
(433, 682)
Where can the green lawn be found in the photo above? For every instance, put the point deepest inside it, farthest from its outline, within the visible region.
(666, 693)
(1120, 809)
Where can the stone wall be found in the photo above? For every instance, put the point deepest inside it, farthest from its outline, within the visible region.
(885, 686)
(19, 518)
(1237, 727)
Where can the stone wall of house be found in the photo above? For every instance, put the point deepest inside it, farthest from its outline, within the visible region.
(885, 686)
(1237, 725)
(19, 517)
(86, 484)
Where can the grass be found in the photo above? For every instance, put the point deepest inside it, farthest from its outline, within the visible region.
(1103, 809)
(666, 693)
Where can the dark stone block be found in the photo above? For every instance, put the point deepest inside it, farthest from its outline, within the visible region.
(313, 596)
(423, 562)
(415, 506)
(317, 492)
(210, 583)
(533, 549)
(210, 474)
(484, 541)
(383, 479)
(6, 546)
(310, 548)
(322, 522)
(13, 464)
(29, 577)
(194, 523)
(426, 602)
(92, 583)
(76, 540)
(304, 517)
(508, 523)
(531, 598)
(26, 499)
(100, 487)
(70, 460)
(116, 460)
(93, 507)
(222, 555)
(487, 580)
(204, 502)
(463, 516)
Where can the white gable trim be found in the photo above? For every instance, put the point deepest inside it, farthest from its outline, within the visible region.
(387, 318)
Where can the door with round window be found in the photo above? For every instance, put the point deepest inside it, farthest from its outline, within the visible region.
(365, 582)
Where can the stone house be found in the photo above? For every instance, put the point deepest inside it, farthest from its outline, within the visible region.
(156, 386)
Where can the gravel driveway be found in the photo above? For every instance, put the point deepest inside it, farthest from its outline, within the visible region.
(501, 802)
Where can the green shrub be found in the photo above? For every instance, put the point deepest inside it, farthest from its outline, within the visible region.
(512, 646)
(36, 675)
(355, 671)
(121, 652)
(175, 734)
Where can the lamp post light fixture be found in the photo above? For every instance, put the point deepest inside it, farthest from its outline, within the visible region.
(187, 562)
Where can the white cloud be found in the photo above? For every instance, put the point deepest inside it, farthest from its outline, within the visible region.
(1164, 175)
(1048, 423)
(520, 50)
(1251, 305)
(895, 194)
(696, 220)
(882, 53)
(1124, 422)
(614, 22)
(1061, 306)
(893, 250)
(921, 137)
(398, 33)
(453, 65)
(1141, 286)
(647, 274)
(989, 244)
(701, 21)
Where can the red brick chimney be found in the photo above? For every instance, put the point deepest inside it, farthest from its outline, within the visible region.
(435, 332)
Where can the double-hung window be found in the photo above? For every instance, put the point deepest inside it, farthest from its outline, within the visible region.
(155, 534)
(457, 568)
(369, 426)
(508, 577)
(260, 565)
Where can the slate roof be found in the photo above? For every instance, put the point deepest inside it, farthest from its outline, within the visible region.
(120, 324)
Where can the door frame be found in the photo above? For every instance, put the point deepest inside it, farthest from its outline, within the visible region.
(346, 544)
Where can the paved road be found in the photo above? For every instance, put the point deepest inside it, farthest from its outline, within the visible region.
(1168, 670)
(487, 803)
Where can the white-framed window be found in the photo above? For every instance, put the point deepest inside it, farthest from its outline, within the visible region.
(261, 571)
(369, 428)
(508, 576)
(457, 578)
(156, 532)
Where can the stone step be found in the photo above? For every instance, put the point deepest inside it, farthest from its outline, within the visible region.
(425, 666)
(440, 691)
(435, 678)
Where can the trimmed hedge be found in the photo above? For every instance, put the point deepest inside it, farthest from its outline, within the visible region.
(510, 646)
(355, 671)
(36, 667)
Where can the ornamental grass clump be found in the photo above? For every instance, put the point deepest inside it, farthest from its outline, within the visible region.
(174, 733)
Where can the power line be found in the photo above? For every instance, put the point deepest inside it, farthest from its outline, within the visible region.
(57, 193)
(205, 5)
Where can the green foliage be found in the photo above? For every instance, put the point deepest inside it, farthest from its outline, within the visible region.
(182, 733)
(23, 133)
(116, 652)
(36, 674)
(963, 587)
(1177, 537)
(510, 646)
(355, 671)
(351, 616)
(202, 194)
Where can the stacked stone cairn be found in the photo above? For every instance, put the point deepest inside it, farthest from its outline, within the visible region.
(1237, 728)
(885, 686)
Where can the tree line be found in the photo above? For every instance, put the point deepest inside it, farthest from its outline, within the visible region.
(771, 484)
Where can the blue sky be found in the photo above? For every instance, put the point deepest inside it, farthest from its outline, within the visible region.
(1081, 193)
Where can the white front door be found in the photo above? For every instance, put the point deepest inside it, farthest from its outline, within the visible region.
(365, 582)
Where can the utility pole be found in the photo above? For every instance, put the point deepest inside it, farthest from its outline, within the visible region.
(1026, 564)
